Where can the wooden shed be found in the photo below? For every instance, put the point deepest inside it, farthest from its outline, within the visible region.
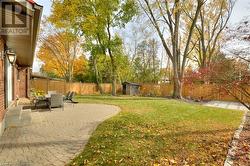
(129, 88)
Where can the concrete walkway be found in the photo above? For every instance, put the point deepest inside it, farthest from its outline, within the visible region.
(50, 138)
(227, 105)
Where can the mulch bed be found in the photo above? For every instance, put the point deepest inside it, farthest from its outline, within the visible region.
(242, 156)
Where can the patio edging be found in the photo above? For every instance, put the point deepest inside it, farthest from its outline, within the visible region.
(232, 150)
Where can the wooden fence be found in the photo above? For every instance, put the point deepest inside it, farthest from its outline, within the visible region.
(199, 92)
(46, 85)
(203, 92)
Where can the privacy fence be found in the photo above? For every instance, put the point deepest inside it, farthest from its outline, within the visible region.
(199, 92)
(46, 85)
(195, 91)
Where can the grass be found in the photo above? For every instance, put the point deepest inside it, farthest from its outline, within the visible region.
(157, 131)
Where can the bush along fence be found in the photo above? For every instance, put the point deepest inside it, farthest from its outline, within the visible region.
(191, 91)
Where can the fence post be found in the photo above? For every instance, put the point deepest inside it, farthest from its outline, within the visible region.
(94, 88)
(219, 93)
(69, 85)
(64, 86)
(47, 89)
(80, 88)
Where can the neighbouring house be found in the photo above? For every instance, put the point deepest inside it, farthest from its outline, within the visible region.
(131, 89)
(19, 26)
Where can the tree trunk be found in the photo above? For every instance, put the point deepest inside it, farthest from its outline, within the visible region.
(98, 82)
(114, 86)
(113, 68)
(177, 85)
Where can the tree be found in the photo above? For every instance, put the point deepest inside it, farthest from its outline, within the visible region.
(97, 21)
(124, 67)
(146, 63)
(169, 18)
(238, 40)
(58, 51)
(80, 69)
(103, 63)
(227, 74)
(212, 20)
(237, 47)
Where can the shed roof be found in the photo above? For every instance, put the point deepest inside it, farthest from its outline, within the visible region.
(130, 83)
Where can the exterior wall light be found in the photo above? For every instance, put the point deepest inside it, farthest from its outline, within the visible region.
(11, 55)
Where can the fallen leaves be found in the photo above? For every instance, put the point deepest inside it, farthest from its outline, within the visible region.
(242, 156)
(161, 137)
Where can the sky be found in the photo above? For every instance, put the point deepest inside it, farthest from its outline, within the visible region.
(46, 6)
(241, 10)
(46, 11)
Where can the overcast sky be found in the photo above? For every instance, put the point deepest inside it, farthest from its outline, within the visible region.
(241, 10)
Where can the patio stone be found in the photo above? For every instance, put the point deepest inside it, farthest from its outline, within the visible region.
(226, 105)
(51, 138)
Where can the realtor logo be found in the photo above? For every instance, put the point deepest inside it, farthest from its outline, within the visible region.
(14, 17)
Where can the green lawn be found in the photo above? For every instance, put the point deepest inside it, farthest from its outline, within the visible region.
(152, 131)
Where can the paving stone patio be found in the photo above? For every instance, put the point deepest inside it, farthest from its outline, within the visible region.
(226, 105)
(50, 138)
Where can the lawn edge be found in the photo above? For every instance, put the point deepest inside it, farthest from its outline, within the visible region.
(233, 145)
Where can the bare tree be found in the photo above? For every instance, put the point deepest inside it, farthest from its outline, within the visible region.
(58, 50)
(212, 20)
(238, 40)
(233, 75)
(146, 62)
(229, 76)
(170, 20)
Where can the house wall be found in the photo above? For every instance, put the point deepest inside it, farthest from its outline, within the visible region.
(20, 85)
(2, 98)
(16, 83)
(23, 83)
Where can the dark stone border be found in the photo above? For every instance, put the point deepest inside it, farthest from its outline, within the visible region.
(237, 154)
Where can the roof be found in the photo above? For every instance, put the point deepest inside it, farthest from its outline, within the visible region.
(25, 45)
(130, 83)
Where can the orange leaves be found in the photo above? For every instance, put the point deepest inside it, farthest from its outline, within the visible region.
(80, 65)
(61, 54)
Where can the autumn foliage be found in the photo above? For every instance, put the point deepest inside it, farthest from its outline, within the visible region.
(231, 75)
(61, 56)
